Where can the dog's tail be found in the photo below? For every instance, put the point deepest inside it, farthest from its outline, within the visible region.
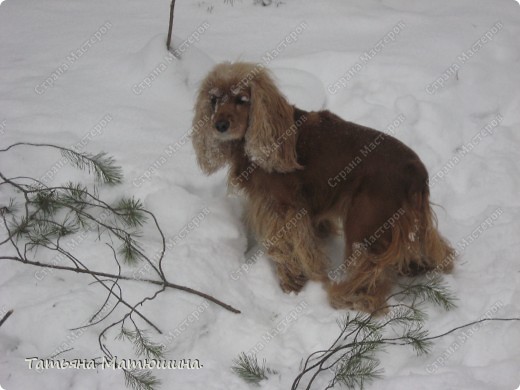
(416, 241)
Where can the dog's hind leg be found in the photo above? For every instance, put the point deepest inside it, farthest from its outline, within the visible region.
(370, 255)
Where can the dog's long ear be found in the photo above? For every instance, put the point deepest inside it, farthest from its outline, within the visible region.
(271, 136)
(211, 154)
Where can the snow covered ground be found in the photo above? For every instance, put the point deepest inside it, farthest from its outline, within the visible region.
(96, 74)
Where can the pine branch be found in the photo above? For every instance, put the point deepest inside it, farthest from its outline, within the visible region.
(352, 356)
(100, 164)
(51, 213)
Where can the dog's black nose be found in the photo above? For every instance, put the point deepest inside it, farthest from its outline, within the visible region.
(222, 126)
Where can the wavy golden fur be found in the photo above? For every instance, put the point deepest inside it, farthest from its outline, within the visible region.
(305, 174)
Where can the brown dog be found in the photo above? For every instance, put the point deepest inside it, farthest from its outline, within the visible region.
(305, 171)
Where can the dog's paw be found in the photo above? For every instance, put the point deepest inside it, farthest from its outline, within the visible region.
(360, 302)
(293, 283)
(414, 268)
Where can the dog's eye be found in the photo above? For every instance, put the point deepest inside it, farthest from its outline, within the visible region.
(213, 101)
(242, 100)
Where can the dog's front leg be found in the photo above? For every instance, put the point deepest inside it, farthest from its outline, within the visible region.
(294, 247)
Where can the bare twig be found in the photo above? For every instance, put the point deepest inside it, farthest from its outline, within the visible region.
(122, 277)
(6, 316)
(170, 26)
(458, 328)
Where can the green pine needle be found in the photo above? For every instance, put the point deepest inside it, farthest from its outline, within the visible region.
(46, 202)
(125, 333)
(101, 165)
(356, 371)
(130, 212)
(130, 250)
(403, 315)
(417, 338)
(12, 208)
(75, 193)
(140, 380)
(74, 197)
(143, 346)
(433, 290)
(359, 321)
(46, 232)
(20, 228)
(247, 368)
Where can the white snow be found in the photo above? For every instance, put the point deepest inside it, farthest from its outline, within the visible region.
(419, 72)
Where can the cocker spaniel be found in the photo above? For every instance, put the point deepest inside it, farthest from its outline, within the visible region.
(307, 173)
